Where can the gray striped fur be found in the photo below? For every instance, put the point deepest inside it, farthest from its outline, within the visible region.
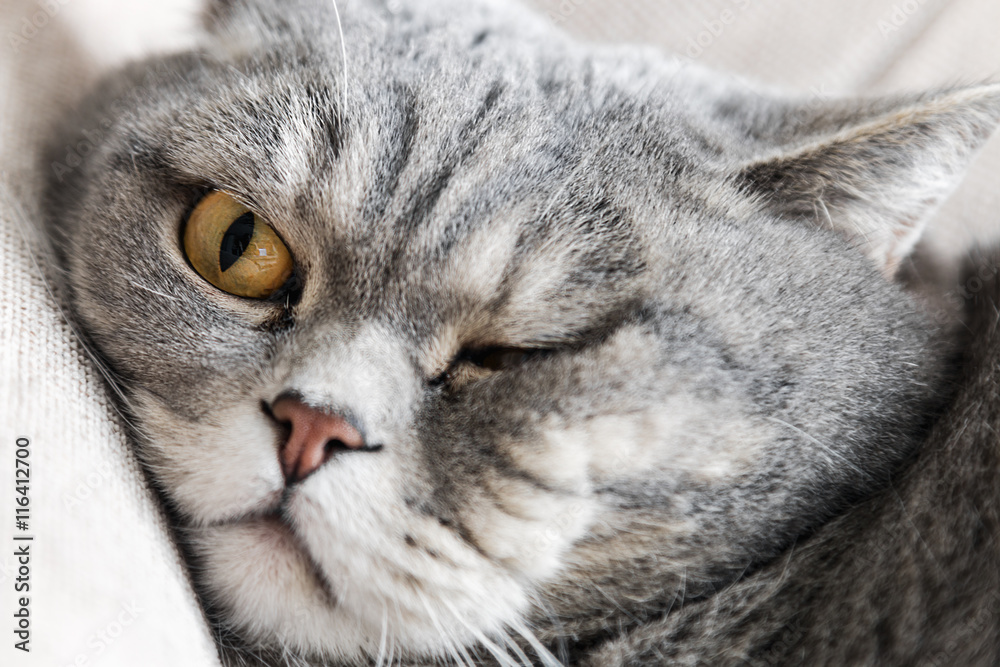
(730, 379)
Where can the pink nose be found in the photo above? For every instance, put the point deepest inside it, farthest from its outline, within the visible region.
(315, 437)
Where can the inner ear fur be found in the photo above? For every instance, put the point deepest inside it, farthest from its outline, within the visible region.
(879, 178)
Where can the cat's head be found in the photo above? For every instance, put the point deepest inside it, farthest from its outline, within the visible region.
(536, 334)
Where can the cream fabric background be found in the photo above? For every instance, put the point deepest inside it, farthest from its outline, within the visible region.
(107, 585)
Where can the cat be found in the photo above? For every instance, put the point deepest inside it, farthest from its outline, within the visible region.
(445, 338)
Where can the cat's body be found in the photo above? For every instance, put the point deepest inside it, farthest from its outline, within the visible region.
(606, 369)
(908, 577)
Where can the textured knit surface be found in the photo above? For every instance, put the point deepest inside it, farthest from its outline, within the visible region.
(106, 584)
(107, 587)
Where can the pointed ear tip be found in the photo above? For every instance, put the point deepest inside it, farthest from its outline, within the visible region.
(878, 181)
(973, 111)
(984, 95)
(987, 88)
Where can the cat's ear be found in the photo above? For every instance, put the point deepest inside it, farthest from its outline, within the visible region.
(874, 173)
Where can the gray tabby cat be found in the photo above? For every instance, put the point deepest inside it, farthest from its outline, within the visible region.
(447, 339)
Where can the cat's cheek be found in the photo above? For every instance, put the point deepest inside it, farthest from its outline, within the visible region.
(215, 469)
(529, 530)
(264, 585)
(682, 435)
(528, 526)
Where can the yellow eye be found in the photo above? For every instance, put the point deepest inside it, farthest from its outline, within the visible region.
(232, 248)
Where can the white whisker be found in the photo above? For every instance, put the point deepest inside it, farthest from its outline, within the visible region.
(512, 645)
(151, 290)
(826, 448)
(385, 632)
(343, 57)
(502, 656)
(543, 653)
(456, 651)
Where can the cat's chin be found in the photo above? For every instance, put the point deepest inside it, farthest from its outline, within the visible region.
(266, 585)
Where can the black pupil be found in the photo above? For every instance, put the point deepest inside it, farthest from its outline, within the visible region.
(236, 240)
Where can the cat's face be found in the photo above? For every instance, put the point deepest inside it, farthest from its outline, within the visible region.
(551, 294)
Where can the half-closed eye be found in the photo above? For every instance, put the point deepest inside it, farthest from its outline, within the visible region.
(492, 359)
